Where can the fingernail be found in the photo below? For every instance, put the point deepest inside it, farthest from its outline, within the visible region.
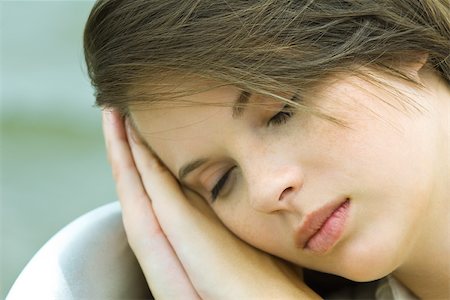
(108, 115)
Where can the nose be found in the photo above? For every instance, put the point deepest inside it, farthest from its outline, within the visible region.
(274, 186)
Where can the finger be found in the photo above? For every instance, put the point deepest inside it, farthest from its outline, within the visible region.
(158, 181)
(132, 196)
(165, 274)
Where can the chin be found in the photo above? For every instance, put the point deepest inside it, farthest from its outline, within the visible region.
(364, 274)
(365, 262)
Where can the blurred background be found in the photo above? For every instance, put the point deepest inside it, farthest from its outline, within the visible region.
(53, 165)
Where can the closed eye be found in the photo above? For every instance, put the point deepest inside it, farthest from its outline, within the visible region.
(279, 118)
(217, 189)
(284, 114)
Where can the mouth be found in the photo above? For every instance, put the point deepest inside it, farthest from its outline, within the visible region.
(322, 229)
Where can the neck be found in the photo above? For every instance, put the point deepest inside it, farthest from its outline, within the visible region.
(426, 272)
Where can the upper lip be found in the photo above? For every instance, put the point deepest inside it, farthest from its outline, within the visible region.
(313, 222)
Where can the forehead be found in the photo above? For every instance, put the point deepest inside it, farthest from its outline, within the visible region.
(162, 117)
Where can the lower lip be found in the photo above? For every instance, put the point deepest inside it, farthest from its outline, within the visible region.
(330, 232)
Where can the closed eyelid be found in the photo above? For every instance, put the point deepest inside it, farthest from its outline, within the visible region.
(222, 183)
(206, 179)
(204, 169)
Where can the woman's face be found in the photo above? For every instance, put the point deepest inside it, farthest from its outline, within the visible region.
(329, 197)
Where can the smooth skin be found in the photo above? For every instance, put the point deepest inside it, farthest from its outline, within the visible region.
(390, 159)
(204, 260)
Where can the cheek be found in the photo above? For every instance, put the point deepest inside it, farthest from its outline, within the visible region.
(237, 217)
(260, 230)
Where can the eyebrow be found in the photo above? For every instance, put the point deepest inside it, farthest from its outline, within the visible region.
(237, 111)
(240, 104)
(189, 167)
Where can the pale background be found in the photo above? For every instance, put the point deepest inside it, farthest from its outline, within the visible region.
(52, 161)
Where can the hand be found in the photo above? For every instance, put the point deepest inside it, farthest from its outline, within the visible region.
(182, 247)
(163, 271)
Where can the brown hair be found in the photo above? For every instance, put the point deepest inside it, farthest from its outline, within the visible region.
(267, 46)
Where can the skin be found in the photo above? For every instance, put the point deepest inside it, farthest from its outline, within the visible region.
(390, 160)
(186, 264)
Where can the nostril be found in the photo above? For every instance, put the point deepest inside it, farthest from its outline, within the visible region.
(285, 193)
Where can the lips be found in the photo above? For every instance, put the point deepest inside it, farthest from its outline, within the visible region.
(322, 228)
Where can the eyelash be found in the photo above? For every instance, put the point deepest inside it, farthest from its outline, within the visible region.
(220, 184)
(284, 114)
(279, 118)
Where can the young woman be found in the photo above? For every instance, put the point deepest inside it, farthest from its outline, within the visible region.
(251, 139)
